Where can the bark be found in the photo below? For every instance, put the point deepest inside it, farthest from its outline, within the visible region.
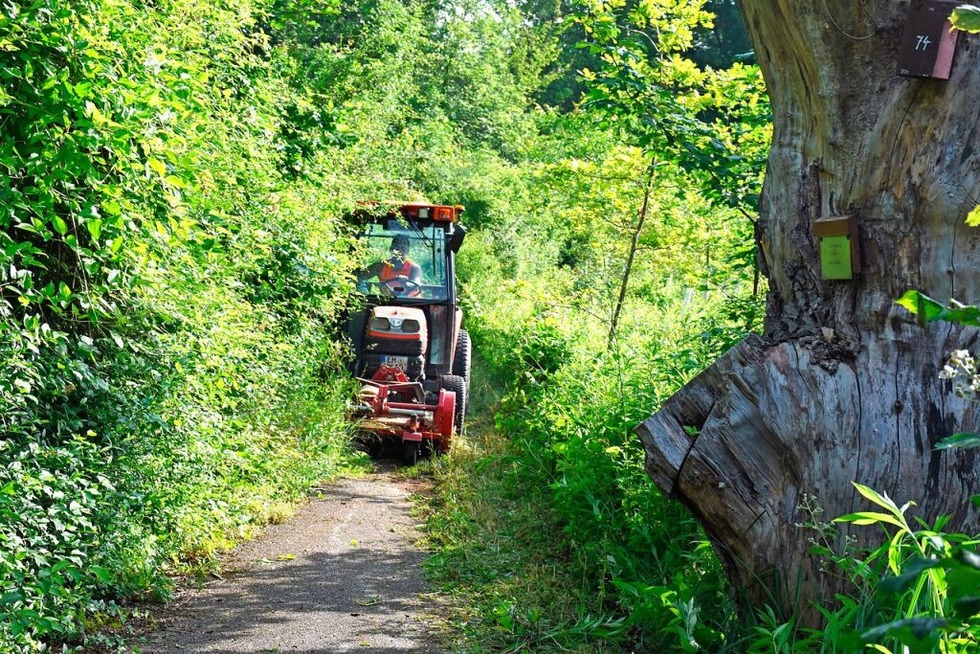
(843, 383)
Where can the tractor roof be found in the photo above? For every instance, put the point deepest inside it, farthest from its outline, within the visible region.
(374, 210)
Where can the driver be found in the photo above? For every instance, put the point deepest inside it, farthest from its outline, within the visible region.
(397, 266)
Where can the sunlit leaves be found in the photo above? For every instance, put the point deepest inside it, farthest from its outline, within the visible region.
(715, 124)
(672, 22)
(966, 18)
(138, 145)
(928, 310)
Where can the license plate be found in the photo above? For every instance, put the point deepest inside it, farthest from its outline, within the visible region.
(395, 362)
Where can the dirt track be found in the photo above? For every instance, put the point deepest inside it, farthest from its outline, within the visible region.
(341, 576)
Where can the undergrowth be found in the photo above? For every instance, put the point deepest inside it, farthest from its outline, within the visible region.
(546, 525)
(550, 537)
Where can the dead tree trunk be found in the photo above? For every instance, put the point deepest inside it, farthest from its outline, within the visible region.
(843, 383)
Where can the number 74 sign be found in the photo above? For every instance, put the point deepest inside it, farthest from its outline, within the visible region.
(928, 44)
(922, 42)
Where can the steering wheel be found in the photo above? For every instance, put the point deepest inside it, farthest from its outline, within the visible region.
(401, 286)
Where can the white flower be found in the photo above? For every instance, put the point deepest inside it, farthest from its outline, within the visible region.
(961, 358)
(962, 370)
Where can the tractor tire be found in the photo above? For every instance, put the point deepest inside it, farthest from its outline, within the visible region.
(462, 360)
(457, 384)
(411, 452)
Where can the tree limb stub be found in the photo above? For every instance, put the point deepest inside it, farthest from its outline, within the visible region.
(774, 424)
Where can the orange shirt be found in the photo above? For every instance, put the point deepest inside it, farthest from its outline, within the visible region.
(389, 272)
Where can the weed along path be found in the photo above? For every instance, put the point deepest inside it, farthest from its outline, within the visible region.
(342, 575)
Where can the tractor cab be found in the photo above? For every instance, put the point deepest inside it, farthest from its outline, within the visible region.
(411, 354)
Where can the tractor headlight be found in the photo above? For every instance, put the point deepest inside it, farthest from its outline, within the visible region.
(411, 326)
(380, 324)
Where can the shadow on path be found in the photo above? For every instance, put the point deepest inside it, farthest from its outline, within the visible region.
(341, 576)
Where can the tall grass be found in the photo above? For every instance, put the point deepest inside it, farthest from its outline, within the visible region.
(548, 524)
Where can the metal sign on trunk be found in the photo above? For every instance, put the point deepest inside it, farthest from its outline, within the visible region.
(929, 41)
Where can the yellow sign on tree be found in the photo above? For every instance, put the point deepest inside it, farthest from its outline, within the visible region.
(835, 257)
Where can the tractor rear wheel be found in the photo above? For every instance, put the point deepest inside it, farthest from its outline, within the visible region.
(456, 384)
(462, 359)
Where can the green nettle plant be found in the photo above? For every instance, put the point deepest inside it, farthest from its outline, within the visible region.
(932, 583)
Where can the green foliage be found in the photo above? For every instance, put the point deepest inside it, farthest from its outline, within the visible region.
(53, 503)
(929, 310)
(173, 265)
(629, 566)
(727, 43)
(714, 124)
(961, 440)
(606, 561)
(635, 565)
(928, 583)
(973, 218)
(166, 304)
(966, 18)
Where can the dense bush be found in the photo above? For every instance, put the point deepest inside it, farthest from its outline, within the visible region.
(167, 300)
(174, 261)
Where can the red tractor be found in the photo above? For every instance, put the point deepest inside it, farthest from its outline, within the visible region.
(411, 355)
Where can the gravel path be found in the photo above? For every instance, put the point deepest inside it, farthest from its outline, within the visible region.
(341, 576)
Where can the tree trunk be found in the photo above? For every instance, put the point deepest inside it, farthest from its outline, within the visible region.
(843, 384)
